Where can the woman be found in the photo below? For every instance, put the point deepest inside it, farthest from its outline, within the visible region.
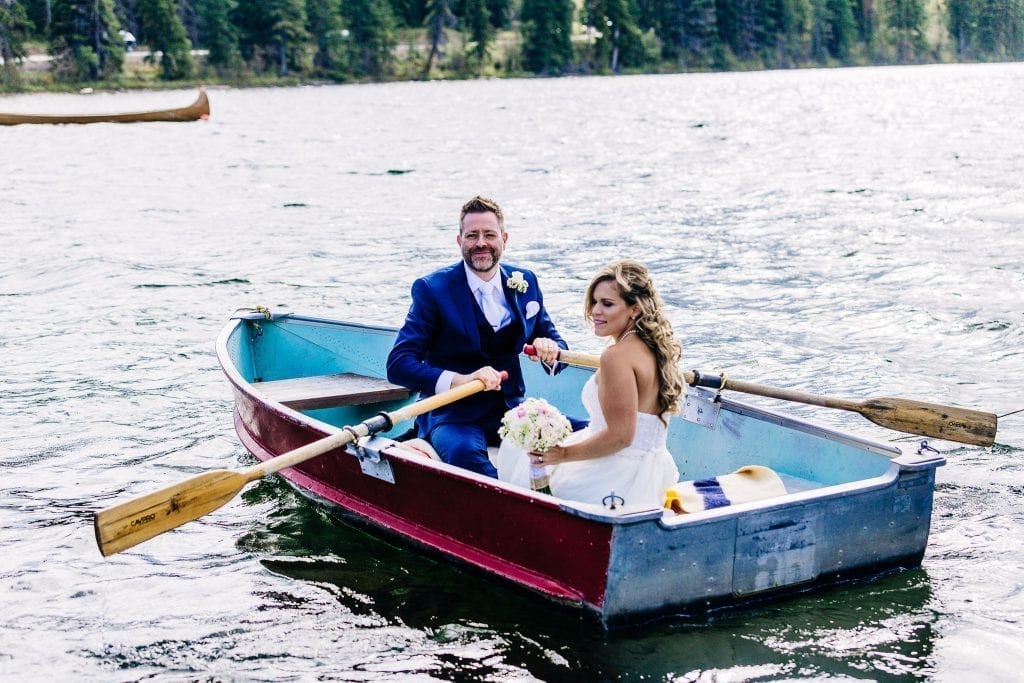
(639, 384)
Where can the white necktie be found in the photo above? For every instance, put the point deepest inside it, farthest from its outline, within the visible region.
(493, 311)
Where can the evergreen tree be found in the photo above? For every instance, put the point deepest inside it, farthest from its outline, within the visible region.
(842, 29)
(439, 18)
(618, 42)
(84, 39)
(410, 13)
(219, 35)
(273, 32)
(647, 13)
(793, 27)
(501, 13)
(288, 34)
(962, 20)
(39, 14)
(547, 28)
(833, 30)
(188, 12)
(906, 18)
(1001, 29)
(161, 28)
(477, 22)
(324, 17)
(253, 24)
(14, 28)
(819, 31)
(372, 36)
(687, 28)
(865, 15)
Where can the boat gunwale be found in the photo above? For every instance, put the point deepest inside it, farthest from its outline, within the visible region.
(740, 407)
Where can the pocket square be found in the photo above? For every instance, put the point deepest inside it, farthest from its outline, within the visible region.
(532, 309)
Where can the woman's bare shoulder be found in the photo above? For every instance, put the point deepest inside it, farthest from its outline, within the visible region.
(633, 354)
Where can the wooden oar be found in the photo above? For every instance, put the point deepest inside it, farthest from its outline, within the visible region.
(903, 415)
(132, 522)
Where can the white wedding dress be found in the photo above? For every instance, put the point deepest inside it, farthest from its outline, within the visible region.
(639, 474)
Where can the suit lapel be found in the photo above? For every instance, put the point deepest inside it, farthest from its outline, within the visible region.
(511, 297)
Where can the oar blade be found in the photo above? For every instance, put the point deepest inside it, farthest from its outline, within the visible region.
(125, 525)
(929, 419)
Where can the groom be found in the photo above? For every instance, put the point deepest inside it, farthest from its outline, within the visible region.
(469, 321)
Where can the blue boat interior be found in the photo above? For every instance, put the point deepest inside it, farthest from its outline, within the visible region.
(806, 456)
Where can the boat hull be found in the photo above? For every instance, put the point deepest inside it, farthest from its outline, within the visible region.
(200, 109)
(867, 512)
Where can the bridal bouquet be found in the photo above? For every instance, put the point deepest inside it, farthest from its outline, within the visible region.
(535, 425)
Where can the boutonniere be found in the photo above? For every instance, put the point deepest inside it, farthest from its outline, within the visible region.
(517, 282)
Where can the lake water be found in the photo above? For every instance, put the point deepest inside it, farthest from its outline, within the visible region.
(852, 233)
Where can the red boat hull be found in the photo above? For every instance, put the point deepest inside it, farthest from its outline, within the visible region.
(527, 540)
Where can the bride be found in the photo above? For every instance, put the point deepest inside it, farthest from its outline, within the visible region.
(639, 384)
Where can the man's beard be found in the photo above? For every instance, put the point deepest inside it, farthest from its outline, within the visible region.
(470, 256)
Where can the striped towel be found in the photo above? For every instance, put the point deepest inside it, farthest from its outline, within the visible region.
(752, 482)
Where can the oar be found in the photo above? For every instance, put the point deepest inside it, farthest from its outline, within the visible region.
(903, 415)
(132, 522)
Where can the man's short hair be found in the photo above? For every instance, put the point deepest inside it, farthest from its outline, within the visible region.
(480, 204)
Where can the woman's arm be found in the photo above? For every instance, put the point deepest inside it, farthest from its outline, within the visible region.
(617, 392)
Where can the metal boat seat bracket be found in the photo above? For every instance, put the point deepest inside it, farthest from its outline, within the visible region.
(368, 451)
(701, 406)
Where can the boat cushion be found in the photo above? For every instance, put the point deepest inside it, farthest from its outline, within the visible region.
(328, 391)
(753, 482)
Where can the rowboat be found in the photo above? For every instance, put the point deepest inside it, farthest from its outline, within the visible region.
(851, 507)
(200, 109)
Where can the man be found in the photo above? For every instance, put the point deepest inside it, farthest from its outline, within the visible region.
(469, 321)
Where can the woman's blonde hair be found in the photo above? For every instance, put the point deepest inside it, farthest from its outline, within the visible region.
(637, 288)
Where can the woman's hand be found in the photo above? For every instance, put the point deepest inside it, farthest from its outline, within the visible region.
(551, 456)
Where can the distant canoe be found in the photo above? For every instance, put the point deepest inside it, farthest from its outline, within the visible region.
(200, 109)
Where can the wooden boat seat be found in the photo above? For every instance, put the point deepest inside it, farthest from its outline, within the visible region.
(330, 391)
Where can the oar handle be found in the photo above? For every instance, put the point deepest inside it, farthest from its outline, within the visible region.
(584, 360)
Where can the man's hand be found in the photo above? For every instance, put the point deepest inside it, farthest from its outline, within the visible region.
(547, 351)
(488, 375)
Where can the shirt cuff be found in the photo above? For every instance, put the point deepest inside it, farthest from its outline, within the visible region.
(444, 381)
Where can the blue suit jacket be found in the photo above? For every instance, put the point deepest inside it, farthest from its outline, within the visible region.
(441, 333)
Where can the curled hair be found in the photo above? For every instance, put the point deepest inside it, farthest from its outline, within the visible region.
(637, 288)
(480, 204)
